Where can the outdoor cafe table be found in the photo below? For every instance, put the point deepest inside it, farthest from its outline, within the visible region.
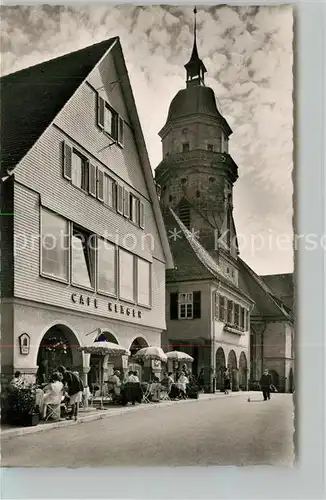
(131, 391)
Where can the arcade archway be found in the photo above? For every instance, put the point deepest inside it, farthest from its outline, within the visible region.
(98, 370)
(233, 367)
(275, 379)
(220, 369)
(243, 372)
(143, 368)
(59, 346)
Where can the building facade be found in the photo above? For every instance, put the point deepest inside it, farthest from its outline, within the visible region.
(196, 176)
(85, 249)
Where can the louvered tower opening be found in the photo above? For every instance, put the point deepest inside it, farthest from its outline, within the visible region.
(184, 213)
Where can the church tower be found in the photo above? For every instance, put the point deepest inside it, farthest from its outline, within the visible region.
(197, 173)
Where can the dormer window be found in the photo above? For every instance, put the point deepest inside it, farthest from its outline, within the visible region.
(185, 147)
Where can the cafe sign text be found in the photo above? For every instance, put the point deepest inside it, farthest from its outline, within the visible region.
(114, 307)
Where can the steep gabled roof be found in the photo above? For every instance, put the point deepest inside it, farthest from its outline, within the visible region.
(31, 98)
(191, 258)
(187, 264)
(282, 286)
(259, 282)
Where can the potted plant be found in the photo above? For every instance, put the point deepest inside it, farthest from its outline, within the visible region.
(22, 408)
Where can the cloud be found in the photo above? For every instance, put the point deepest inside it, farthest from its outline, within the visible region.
(248, 55)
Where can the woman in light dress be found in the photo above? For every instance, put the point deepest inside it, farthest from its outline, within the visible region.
(53, 395)
(182, 384)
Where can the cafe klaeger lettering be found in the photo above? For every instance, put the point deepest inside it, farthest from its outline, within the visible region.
(114, 307)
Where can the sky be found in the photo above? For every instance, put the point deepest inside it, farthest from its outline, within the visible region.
(248, 55)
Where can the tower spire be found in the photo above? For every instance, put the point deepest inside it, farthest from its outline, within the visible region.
(195, 67)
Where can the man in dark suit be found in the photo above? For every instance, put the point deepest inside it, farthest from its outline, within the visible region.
(265, 384)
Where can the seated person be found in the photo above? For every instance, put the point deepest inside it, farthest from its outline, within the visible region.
(53, 394)
(131, 377)
(167, 381)
(182, 384)
(17, 381)
(114, 383)
(136, 375)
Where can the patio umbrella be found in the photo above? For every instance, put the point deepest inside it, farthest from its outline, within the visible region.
(151, 353)
(179, 356)
(103, 348)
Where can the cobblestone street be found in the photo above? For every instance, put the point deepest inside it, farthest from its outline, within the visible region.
(223, 431)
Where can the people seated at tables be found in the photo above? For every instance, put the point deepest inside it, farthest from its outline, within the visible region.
(131, 377)
(17, 381)
(167, 381)
(75, 389)
(53, 395)
(182, 384)
(114, 383)
(185, 370)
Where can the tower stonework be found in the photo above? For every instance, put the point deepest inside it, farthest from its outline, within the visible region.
(197, 173)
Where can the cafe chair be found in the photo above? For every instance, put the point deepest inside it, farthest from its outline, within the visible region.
(147, 394)
(165, 394)
(51, 410)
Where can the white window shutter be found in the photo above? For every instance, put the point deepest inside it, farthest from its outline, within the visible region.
(92, 179)
(126, 203)
(67, 160)
(141, 214)
(120, 199)
(100, 111)
(100, 185)
(120, 130)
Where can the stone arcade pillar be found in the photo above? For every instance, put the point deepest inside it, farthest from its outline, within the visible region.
(235, 380)
(125, 363)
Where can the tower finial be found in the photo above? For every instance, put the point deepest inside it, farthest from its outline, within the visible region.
(195, 67)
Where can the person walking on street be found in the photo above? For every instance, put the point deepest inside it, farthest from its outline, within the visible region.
(265, 384)
(227, 381)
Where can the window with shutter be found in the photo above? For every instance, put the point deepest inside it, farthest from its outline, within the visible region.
(222, 310)
(120, 199)
(229, 311)
(100, 111)
(120, 130)
(126, 203)
(216, 306)
(109, 191)
(197, 305)
(242, 318)
(246, 320)
(79, 170)
(173, 306)
(100, 185)
(141, 214)
(67, 160)
(134, 209)
(92, 180)
(185, 306)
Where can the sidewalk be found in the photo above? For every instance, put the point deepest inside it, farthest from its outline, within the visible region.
(92, 414)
